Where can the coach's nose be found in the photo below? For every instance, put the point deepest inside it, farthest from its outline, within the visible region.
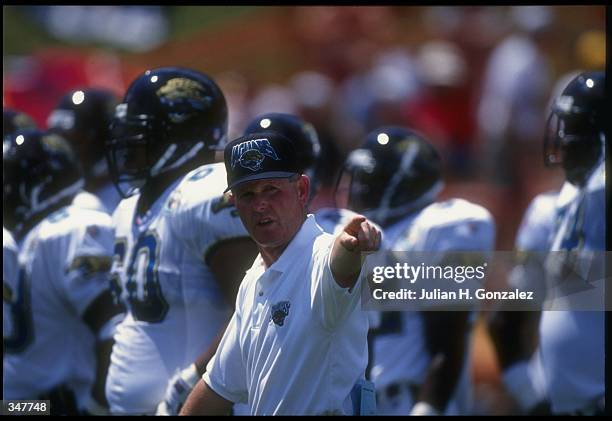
(260, 203)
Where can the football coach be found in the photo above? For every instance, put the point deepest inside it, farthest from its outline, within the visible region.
(296, 344)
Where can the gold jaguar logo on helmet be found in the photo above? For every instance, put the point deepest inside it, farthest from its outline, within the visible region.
(184, 96)
(56, 143)
(181, 88)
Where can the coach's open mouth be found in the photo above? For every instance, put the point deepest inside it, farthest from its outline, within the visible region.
(265, 221)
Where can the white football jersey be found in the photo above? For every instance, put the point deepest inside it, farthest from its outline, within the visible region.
(65, 260)
(10, 286)
(175, 306)
(537, 226)
(572, 342)
(400, 354)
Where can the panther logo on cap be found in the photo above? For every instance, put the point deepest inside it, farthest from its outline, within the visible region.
(251, 154)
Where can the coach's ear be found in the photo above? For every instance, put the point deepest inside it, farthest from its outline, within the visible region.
(230, 198)
(303, 183)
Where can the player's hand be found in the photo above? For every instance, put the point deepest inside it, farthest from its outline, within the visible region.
(178, 389)
(360, 235)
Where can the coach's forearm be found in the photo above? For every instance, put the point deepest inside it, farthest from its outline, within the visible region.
(204, 401)
(345, 264)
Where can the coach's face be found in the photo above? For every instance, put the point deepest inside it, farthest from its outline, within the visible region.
(272, 210)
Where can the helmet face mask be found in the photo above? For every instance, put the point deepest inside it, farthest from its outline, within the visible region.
(574, 133)
(128, 154)
(169, 117)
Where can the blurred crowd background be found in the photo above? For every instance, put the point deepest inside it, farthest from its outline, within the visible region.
(476, 80)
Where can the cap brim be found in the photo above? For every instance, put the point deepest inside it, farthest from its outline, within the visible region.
(261, 176)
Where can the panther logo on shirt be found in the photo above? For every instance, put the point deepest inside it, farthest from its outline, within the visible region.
(279, 312)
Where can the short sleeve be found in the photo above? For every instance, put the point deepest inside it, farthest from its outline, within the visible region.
(225, 372)
(333, 302)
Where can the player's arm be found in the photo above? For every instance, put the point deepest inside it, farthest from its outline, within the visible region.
(514, 335)
(225, 373)
(205, 401)
(102, 317)
(358, 236)
(183, 384)
(228, 261)
(445, 338)
(88, 290)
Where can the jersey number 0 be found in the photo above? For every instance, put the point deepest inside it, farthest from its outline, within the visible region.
(141, 274)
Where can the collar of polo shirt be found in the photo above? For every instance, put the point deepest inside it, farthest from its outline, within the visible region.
(304, 236)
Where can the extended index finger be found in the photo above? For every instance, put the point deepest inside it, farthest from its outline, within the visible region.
(354, 225)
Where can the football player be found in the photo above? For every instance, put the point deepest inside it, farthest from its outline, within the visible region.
(83, 116)
(571, 343)
(61, 317)
(180, 247)
(420, 361)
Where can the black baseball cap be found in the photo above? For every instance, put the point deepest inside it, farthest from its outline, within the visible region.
(257, 156)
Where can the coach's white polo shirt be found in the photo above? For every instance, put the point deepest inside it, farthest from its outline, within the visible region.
(296, 343)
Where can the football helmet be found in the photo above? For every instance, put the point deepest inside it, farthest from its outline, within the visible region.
(169, 116)
(394, 172)
(14, 120)
(575, 128)
(303, 135)
(83, 118)
(40, 170)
